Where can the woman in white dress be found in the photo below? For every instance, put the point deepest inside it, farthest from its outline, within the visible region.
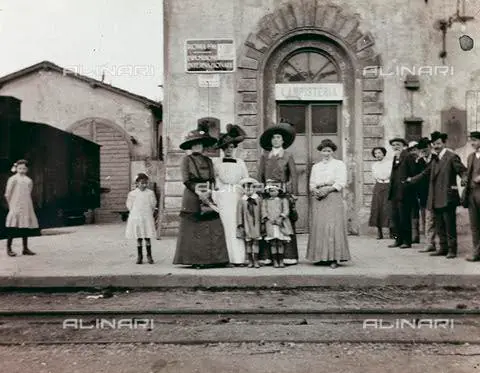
(228, 173)
(141, 203)
(380, 211)
(328, 241)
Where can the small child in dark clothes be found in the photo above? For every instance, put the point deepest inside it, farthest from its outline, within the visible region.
(249, 220)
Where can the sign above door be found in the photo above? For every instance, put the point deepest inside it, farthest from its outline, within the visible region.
(309, 92)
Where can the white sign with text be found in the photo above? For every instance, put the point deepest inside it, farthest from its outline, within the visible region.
(309, 92)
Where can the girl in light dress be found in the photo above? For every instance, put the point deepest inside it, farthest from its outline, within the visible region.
(21, 218)
(141, 204)
(275, 212)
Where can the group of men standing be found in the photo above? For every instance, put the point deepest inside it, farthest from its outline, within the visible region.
(423, 184)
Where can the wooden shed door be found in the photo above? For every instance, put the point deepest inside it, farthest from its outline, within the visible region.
(114, 168)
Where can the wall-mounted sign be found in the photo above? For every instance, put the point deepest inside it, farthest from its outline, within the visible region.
(209, 81)
(210, 55)
(309, 92)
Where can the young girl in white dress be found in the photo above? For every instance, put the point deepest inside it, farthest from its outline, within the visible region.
(21, 218)
(275, 212)
(141, 203)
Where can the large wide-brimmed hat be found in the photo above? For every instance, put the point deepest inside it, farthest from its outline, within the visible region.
(438, 135)
(198, 136)
(283, 128)
(475, 135)
(398, 139)
(234, 135)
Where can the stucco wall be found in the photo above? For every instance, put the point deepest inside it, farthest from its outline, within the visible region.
(49, 97)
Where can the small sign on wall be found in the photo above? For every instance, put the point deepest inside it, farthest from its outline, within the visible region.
(209, 81)
(309, 92)
(209, 55)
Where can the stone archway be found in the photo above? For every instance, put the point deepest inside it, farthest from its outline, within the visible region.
(115, 164)
(315, 20)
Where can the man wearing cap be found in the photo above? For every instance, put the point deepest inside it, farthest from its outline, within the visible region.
(276, 163)
(471, 196)
(443, 196)
(400, 194)
(427, 216)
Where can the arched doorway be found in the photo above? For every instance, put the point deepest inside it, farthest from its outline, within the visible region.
(114, 165)
(304, 83)
(318, 44)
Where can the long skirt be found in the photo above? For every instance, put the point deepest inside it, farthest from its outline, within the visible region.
(381, 209)
(227, 204)
(200, 242)
(328, 233)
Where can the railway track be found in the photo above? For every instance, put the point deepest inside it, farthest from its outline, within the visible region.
(207, 326)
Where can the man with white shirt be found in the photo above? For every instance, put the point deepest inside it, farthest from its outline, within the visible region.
(471, 196)
(443, 196)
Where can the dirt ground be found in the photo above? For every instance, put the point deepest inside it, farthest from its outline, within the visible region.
(268, 299)
(226, 358)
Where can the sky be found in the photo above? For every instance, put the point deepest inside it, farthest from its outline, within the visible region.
(122, 39)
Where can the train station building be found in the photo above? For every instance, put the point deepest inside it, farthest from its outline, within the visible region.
(357, 72)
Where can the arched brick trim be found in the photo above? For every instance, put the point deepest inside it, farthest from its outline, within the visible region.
(314, 17)
(107, 123)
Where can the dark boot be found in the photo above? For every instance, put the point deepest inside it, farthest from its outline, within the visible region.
(139, 255)
(392, 234)
(379, 233)
(473, 259)
(281, 264)
(26, 250)
(275, 261)
(149, 254)
(9, 247)
(442, 252)
(250, 260)
(255, 261)
(452, 253)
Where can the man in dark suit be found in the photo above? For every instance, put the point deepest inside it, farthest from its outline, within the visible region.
(443, 197)
(471, 197)
(427, 216)
(400, 195)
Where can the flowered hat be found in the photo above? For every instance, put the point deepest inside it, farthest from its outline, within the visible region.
(198, 136)
(234, 135)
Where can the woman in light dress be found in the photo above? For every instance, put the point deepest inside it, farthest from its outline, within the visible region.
(328, 234)
(21, 219)
(141, 204)
(380, 211)
(229, 171)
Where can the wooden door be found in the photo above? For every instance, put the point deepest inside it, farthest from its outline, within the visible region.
(313, 122)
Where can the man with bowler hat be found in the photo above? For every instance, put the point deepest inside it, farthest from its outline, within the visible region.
(471, 196)
(400, 195)
(443, 196)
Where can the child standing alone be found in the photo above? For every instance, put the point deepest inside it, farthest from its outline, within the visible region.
(21, 218)
(141, 204)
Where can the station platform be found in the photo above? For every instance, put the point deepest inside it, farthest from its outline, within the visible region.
(98, 256)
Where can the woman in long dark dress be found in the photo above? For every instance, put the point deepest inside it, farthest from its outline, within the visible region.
(380, 210)
(201, 238)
